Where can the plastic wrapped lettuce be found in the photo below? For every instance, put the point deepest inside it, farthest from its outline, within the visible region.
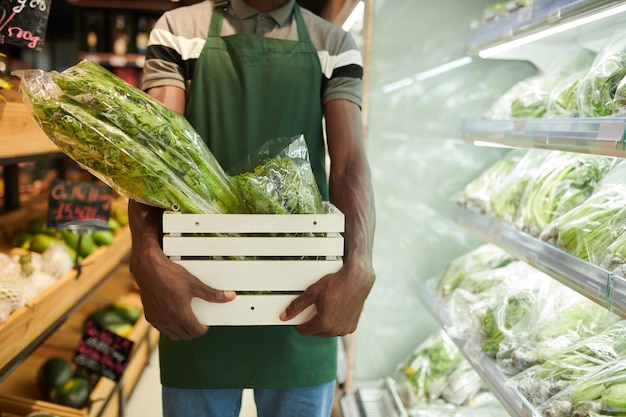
(586, 231)
(477, 194)
(437, 372)
(599, 393)
(129, 140)
(597, 90)
(543, 381)
(525, 100)
(484, 258)
(278, 179)
(562, 182)
(506, 200)
(562, 101)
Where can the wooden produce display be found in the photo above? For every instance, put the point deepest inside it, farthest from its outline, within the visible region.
(18, 392)
(20, 135)
(268, 259)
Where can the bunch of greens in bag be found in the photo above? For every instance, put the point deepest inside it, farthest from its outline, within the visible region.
(129, 140)
(597, 90)
(278, 179)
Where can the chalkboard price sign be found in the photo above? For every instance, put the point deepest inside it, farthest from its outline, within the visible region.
(103, 351)
(72, 204)
(24, 22)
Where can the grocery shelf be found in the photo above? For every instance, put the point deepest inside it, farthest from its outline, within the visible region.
(591, 281)
(511, 399)
(600, 136)
(30, 325)
(568, 22)
(373, 399)
(21, 139)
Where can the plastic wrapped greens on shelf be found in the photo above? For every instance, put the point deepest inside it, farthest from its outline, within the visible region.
(543, 381)
(525, 100)
(477, 194)
(506, 200)
(532, 97)
(437, 373)
(597, 90)
(599, 393)
(518, 316)
(484, 257)
(562, 181)
(587, 230)
(562, 101)
(127, 139)
(278, 179)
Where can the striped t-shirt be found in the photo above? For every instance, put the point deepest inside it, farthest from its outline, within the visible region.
(177, 39)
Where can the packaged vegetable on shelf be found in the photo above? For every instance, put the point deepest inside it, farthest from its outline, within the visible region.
(597, 90)
(562, 182)
(541, 382)
(506, 201)
(525, 100)
(599, 393)
(477, 194)
(589, 229)
(437, 373)
(127, 139)
(278, 179)
(484, 257)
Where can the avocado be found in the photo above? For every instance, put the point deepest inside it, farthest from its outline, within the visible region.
(74, 393)
(53, 373)
(103, 237)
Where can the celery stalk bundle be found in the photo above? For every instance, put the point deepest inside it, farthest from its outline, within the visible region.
(564, 181)
(129, 140)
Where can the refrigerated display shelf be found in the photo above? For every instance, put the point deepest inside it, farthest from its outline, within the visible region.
(599, 136)
(511, 399)
(596, 283)
(373, 399)
(536, 17)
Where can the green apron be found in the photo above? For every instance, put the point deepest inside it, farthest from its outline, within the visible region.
(246, 90)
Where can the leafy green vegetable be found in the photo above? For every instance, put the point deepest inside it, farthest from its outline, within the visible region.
(564, 181)
(485, 257)
(129, 140)
(497, 321)
(597, 90)
(294, 194)
(278, 179)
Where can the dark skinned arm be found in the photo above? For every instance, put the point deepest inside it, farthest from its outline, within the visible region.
(339, 298)
(166, 288)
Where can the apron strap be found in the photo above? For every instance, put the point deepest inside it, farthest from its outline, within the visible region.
(215, 28)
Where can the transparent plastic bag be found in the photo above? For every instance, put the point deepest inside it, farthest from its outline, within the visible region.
(543, 381)
(597, 90)
(589, 229)
(127, 139)
(484, 257)
(526, 100)
(477, 193)
(562, 182)
(278, 179)
(437, 373)
(506, 198)
(601, 392)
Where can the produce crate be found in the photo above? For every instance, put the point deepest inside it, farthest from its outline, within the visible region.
(18, 392)
(268, 259)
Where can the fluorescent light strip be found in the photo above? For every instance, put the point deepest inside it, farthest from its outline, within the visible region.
(490, 144)
(443, 68)
(357, 13)
(405, 82)
(397, 85)
(498, 49)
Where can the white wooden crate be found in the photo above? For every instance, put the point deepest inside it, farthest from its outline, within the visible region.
(282, 253)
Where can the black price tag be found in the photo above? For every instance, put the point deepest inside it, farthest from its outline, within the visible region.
(24, 22)
(103, 351)
(78, 204)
